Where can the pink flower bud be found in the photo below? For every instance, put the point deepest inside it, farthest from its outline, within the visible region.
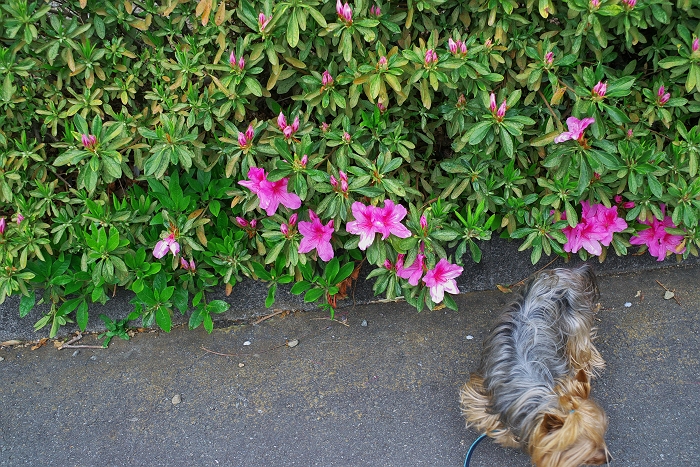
(595, 3)
(288, 132)
(326, 79)
(452, 45)
(295, 124)
(284, 229)
(281, 121)
(696, 44)
(549, 58)
(242, 140)
(461, 102)
(184, 264)
(242, 222)
(334, 182)
(661, 91)
(343, 176)
(630, 3)
(599, 89)
(375, 11)
(388, 265)
(250, 133)
(501, 112)
(430, 57)
(253, 223)
(344, 12)
(3, 225)
(192, 267)
(462, 47)
(293, 219)
(664, 98)
(241, 63)
(492, 103)
(346, 137)
(381, 107)
(304, 160)
(382, 61)
(423, 222)
(263, 21)
(488, 43)
(20, 218)
(325, 127)
(89, 141)
(232, 59)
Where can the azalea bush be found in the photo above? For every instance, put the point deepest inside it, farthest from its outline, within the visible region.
(170, 148)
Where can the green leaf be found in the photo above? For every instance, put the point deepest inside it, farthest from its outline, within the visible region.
(313, 295)
(300, 287)
(26, 304)
(163, 319)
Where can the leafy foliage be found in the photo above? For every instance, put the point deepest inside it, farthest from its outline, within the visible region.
(126, 126)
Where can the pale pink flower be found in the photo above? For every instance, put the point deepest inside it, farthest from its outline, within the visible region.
(576, 129)
(3, 225)
(659, 242)
(413, 272)
(167, 244)
(316, 236)
(441, 279)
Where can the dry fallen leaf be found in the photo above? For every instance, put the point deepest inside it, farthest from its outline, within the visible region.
(503, 289)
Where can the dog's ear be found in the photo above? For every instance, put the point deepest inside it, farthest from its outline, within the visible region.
(552, 422)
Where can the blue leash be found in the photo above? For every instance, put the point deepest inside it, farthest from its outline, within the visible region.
(471, 449)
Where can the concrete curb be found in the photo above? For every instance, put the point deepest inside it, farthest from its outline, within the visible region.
(501, 263)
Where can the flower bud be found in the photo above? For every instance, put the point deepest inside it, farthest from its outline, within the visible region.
(242, 222)
(293, 219)
(423, 222)
(388, 265)
(304, 160)
(184, 264)
(599, 89)
(281, 121)
(696, 44)
(492, 103)
(326, 79)
(250, 133)
(549, 58)
(382, 62)
(501, 112)
(284, 229)
(3, 225)
(295, 124)
(242, 140)
(253, 223)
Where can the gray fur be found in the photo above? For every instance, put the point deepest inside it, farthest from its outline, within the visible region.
(525, 355)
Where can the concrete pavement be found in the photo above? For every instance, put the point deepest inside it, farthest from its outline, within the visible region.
(380, 394)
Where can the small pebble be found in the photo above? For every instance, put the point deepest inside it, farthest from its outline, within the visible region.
(76, 353)
(93, 357)
(241, 365)
(246, 343)
(176, 399)
(628, 304)
(293, 343)
(364, 322)
(470, 337)
(2, 359)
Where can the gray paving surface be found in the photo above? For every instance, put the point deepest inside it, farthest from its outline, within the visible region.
(384, 394)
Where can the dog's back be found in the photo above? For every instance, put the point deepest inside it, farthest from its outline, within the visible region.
(524, 356)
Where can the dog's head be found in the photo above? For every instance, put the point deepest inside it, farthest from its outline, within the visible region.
(573, 433)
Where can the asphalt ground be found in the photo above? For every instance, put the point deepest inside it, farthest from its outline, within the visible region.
(380, 394)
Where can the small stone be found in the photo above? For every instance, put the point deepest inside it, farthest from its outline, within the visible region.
(628, 304)
(246, 343)
(176, 399)
(470, 337)
(241, 365)
(76, 353)
(364, 322)
(293, 343)
(2, 359)
(669, 295)
(93, 357)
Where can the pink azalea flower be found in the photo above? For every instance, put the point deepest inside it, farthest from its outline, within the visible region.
(167, 244)
(441, 279)
(271, 194)
(387, 220)
(413, 272)
(659, 242)
(596, 229)
(316, 236)
(576, 129)
(363, 225)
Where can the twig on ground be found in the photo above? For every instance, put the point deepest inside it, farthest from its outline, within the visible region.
(269, 316)
(68, 345)
(672, 291)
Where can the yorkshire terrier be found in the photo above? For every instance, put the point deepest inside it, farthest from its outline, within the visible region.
(532, 388)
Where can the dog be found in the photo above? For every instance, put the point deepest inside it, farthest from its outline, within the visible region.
(532, 388)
